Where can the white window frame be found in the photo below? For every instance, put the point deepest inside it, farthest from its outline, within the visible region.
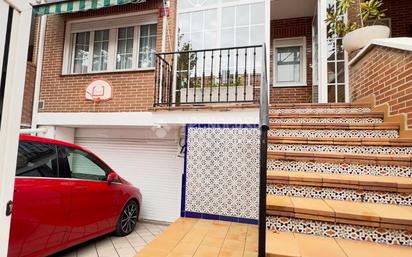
(219, 6)
(104, 23)
(291, 42)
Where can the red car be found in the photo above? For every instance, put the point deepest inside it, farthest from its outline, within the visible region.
(65, 195)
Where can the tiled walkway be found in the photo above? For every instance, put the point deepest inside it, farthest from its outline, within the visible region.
(204, 238)
(111, 246)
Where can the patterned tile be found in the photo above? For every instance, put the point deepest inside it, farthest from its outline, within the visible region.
(336, 133)
(341, 194)
(339, 230)
(341, 168)
(328, 120)
(222, 172)
(340, 149)
(320, 110)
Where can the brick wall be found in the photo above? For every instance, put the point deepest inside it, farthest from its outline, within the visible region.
(28, 94)
(132, 91)
(387, 73)
(286, 28)
(400, 12)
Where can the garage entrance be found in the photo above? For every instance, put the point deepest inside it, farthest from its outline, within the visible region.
(151, 164)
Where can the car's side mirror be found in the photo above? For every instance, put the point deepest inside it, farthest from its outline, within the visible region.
(112, 177)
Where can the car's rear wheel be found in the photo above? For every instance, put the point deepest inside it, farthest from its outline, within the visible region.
(128, 219)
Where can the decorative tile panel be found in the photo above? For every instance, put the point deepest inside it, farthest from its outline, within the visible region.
(328, 120)
(336, 133)
(339, 230)
(320, 110)
(341, 194)
(341, 149)
(341, 168)
(222, 170)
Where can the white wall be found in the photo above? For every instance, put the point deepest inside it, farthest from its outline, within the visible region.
(148, 119)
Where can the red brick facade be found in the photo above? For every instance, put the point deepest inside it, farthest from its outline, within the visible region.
(387, 73)
(132, 91)
(287, 28)
(400, 13)
(28, 95)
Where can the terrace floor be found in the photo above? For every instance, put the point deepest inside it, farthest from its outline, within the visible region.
(204, 238)
(111, 246)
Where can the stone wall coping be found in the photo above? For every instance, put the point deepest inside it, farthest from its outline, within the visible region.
(401, 43)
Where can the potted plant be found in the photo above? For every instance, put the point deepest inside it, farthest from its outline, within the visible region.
(356, 36)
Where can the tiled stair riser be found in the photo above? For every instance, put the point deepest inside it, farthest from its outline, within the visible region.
(334, 133)
(339, 230)
(340, 149)
(341, 168)
(320, 110)
(340, 194)
(328, 120)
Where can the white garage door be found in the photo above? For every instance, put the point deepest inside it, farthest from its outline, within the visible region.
(152, 166)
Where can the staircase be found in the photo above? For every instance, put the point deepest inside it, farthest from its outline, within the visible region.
(339, 183)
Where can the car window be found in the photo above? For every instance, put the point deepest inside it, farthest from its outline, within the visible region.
(37, 160)
(83, 165)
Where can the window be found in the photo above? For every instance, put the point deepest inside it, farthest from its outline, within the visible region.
(290, 62)
(82, 165)
(37, 160)
(124, 58)
(81, 52)
(228, 24)
(147, 46)
(100, 50)
(124, 43)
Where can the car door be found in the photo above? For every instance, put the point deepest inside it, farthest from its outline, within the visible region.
(94, 203)
(40, 201)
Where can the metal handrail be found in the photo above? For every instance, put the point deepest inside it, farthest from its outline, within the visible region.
(264, 127)
(207, 76)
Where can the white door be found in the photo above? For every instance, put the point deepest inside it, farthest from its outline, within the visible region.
(151, 165)
(15, 18)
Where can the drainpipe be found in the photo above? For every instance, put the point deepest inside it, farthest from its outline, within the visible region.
(166, 6)
(39, 68)
(164, 12)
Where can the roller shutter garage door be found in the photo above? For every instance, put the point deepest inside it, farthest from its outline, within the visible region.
(152, 166)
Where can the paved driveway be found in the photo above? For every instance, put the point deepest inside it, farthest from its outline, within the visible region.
(111, 246)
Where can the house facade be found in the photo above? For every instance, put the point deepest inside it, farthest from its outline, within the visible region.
(124, 79)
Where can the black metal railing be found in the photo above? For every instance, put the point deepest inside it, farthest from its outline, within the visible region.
(220, 75)
(264, 127)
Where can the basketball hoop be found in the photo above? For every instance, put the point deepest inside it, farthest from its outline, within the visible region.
(98, 91)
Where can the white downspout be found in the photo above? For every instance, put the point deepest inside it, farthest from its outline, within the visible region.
(39, 68)
(322, 52)
(163, 47)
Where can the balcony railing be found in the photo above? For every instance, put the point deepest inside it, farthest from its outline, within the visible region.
(212, 76)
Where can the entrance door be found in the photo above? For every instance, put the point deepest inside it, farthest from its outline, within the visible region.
(15, 18)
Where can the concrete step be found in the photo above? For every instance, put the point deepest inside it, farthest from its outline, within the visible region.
(395, 142)
(335, 157)
(341, 120)
(378, 150)
(284, 244)
(316, 118)
(345, 166)
(334, 130)
(341, 145)
(319, 108)
(374, 189)
(369, 218)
